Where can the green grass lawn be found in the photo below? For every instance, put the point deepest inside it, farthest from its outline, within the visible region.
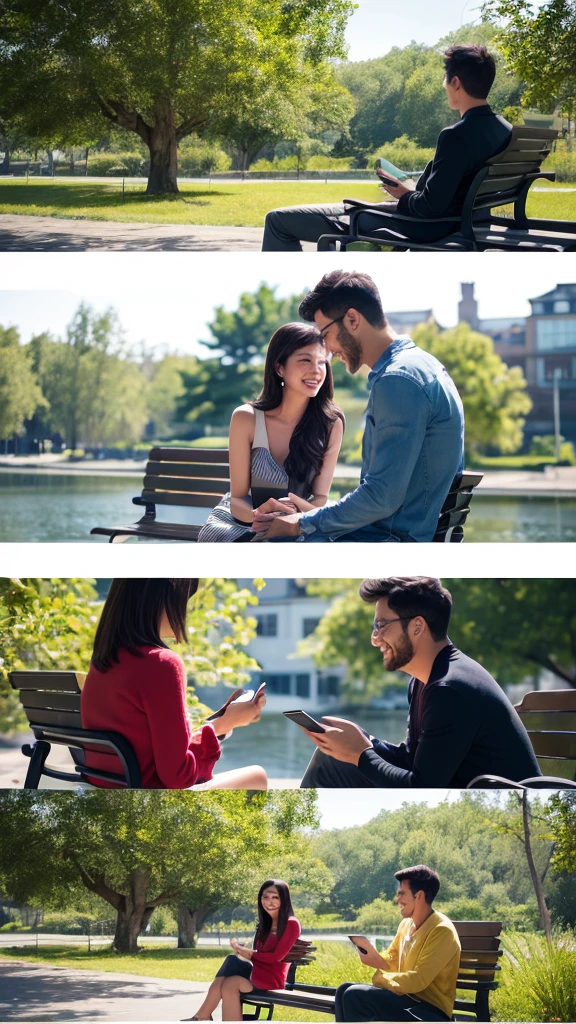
(240, 204)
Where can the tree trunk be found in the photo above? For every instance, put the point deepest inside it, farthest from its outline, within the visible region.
(5, 165)
(536, 882)
(190, 922)
(50, 155)
(163, 146)
(133, 913)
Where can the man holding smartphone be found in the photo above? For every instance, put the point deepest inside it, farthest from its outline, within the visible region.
(460, 723)
(462, 149)
(416, 976)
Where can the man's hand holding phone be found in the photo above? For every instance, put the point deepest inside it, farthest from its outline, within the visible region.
(341, 740)
(367, 953)
(391, 184)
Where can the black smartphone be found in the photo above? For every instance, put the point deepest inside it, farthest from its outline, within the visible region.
(386, 180)
(356, 940)
(306, 721)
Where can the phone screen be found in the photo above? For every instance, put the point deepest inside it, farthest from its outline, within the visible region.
(301, 718)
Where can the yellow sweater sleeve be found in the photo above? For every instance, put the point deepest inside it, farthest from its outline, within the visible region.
(392, 954)
(437, 952)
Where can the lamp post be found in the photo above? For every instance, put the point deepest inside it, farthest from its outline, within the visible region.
(557, 379)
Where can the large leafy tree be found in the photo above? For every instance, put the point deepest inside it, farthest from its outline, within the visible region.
(96, 392)
(20, 395)
(493, 394)
(239, 340)
(50, 624)
(511, 626)
(539, 44)
(160, 68)
(141, 850)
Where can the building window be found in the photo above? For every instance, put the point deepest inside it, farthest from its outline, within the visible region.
(267, 625)
(561, 306)
(303, 685)
(537, 308)
(308, 626)
(328, 686)
(277, 683)
(555, 334)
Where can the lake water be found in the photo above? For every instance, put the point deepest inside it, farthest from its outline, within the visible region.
(284, 750)
(50, 507)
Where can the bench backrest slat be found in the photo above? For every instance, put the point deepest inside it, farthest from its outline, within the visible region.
(65, 719)
(549, 717)
(189, 455)
(47, 680)
(187, 485)
(49, 700)
(201, 470)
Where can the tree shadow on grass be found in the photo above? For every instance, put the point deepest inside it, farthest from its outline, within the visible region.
(93, 196)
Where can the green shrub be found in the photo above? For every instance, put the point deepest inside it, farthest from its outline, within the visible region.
(328, 163)
(163, 922)
(379, 914)
(545, 445)
(197, 157)
(563, 163)
(538, 980)
(404, 153)
(128, 165)
(67, 923)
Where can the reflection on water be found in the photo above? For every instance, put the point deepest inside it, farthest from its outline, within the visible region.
(284, 750)
(49, 507)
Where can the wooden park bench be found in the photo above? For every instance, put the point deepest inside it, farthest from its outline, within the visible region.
(549, 717)
(504, 179)
(196, 478)
(51, 701)
(480, 941)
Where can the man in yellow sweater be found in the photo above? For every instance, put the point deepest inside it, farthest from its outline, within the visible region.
(416, 976)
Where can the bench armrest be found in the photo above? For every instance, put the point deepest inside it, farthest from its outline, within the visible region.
(538, 782)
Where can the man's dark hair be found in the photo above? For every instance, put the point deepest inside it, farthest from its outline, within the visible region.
(341, 290)
(413, 595)
(420, 878)
(474, 66)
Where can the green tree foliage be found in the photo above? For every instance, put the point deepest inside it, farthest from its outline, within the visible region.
(477, 865)
(50, 624)
(20, 395)
(96, 393)
(161, 69)
(402, 93)
(239, 340)
(511, 626)
(141, 850)
(493, 394)
(539, 44)
(562, 822)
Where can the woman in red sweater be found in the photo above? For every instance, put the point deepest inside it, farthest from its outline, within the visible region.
(263, 966)
(136, 686)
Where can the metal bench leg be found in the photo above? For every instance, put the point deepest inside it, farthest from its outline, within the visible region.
(40, 752)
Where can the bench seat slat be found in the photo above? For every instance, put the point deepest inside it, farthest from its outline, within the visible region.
(160, 531)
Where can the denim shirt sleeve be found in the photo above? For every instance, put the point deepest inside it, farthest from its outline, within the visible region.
(400, 409)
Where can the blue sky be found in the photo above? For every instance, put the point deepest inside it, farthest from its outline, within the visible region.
(166, 299)
(378, 25)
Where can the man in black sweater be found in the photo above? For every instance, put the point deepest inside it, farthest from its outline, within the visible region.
(462, 149)
(460, 724)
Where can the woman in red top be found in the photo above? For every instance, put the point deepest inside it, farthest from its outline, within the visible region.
(277, 932)
(136, 686)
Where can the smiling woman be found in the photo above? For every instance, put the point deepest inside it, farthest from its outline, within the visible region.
(283, 446)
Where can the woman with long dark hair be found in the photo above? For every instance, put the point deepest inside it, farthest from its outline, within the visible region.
(263, 966)
(136, 686)
(283, 446)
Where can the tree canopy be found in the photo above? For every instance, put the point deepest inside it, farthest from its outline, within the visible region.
(513, 627)
(160, 68)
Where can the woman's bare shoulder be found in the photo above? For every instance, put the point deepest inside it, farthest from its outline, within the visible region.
(244, 414)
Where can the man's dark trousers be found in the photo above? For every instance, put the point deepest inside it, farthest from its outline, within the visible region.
(366, 1002)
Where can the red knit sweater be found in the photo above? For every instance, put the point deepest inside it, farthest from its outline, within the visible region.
(144, 699)
(268, 971)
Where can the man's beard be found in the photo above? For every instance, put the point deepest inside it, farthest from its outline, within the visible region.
(402, 655)
(351, 348)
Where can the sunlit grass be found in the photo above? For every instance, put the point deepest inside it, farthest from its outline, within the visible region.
(240, 204)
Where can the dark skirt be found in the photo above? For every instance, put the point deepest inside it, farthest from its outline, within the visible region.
(233, 966)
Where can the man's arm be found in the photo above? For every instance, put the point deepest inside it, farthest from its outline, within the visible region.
(449, 166)
(400, 410)
(448, 728)
(438, 950)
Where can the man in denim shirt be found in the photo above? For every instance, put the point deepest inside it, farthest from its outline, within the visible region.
(414, 435)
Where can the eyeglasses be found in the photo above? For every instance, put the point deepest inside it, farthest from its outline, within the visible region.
(336, 321)
(381, 625)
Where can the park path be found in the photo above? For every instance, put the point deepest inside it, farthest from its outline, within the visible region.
(22, 233)
(41, 992)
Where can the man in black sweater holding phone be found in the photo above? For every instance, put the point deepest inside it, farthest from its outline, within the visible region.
(462, 149)
(461, 723)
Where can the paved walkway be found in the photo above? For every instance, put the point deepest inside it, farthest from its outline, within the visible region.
(22, 233)
(40, 992)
